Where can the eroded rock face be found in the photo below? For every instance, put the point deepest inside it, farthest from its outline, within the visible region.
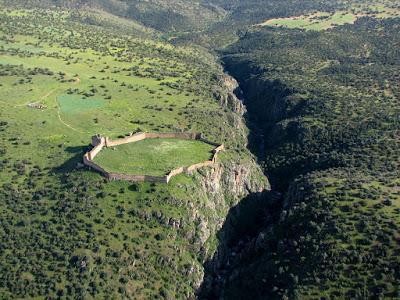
(222, 186)
(236, 179)
(229, 94)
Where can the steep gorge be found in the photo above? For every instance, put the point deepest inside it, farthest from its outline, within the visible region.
(256, 210)
(330, 155)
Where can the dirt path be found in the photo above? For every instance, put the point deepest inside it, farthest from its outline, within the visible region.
(42, 98)
(77, 81)
(62, 121)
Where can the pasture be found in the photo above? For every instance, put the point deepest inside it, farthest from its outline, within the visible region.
(325, 20)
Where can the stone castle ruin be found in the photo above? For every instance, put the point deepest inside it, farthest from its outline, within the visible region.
(99, 142)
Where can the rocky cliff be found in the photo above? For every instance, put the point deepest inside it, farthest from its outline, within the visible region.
(225, 185)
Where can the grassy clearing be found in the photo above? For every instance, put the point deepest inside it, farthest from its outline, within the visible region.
(324, 20)
(154, 157)
(74, 104)
(316, 21)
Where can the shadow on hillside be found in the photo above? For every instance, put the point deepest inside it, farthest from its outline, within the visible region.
(243, 222)
(71, 164)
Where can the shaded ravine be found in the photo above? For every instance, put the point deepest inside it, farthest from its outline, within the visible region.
(245, 220)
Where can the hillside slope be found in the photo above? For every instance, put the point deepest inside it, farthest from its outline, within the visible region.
(65, 231)
(161, 15)
(327, 108)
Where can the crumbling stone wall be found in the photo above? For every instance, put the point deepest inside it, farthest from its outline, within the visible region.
(99, 142)
(142, 135)
(97, 147)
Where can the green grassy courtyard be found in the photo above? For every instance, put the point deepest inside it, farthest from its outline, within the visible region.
(155, 157)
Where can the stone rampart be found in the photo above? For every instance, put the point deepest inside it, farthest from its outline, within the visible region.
(97, 148)
(100, 142)
(219, 149)
(129, 139)
(137, 178)
(87, 161)
(141, 136)
(174, 173)
(199, 165)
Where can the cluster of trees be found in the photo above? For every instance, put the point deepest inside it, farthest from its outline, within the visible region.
(336, 236)
(323, 99)
(19, 70)
(57, 240)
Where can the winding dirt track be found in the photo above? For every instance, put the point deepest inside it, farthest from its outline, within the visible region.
(77, 81)
(61, 120)
(42, 98)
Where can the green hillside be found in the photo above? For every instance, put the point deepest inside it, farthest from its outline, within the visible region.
(65, 231)
(327, 105)
(160, 15)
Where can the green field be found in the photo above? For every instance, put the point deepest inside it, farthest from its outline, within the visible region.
(325, 20)
(155, 157)
(317, 21)
(74, 105)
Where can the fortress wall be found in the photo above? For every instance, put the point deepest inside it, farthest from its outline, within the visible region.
(94, 166)
(177, 135)
(92, 154)
(200, 165)
(138, 178)
(215, 157)
(216, 152)
(96, 140)
(174, 173)
(100, 142)
(141, 136)
(219, 149)
(129, 139)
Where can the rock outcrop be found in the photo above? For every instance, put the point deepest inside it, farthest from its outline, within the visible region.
(221, 187)
(230, 94)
